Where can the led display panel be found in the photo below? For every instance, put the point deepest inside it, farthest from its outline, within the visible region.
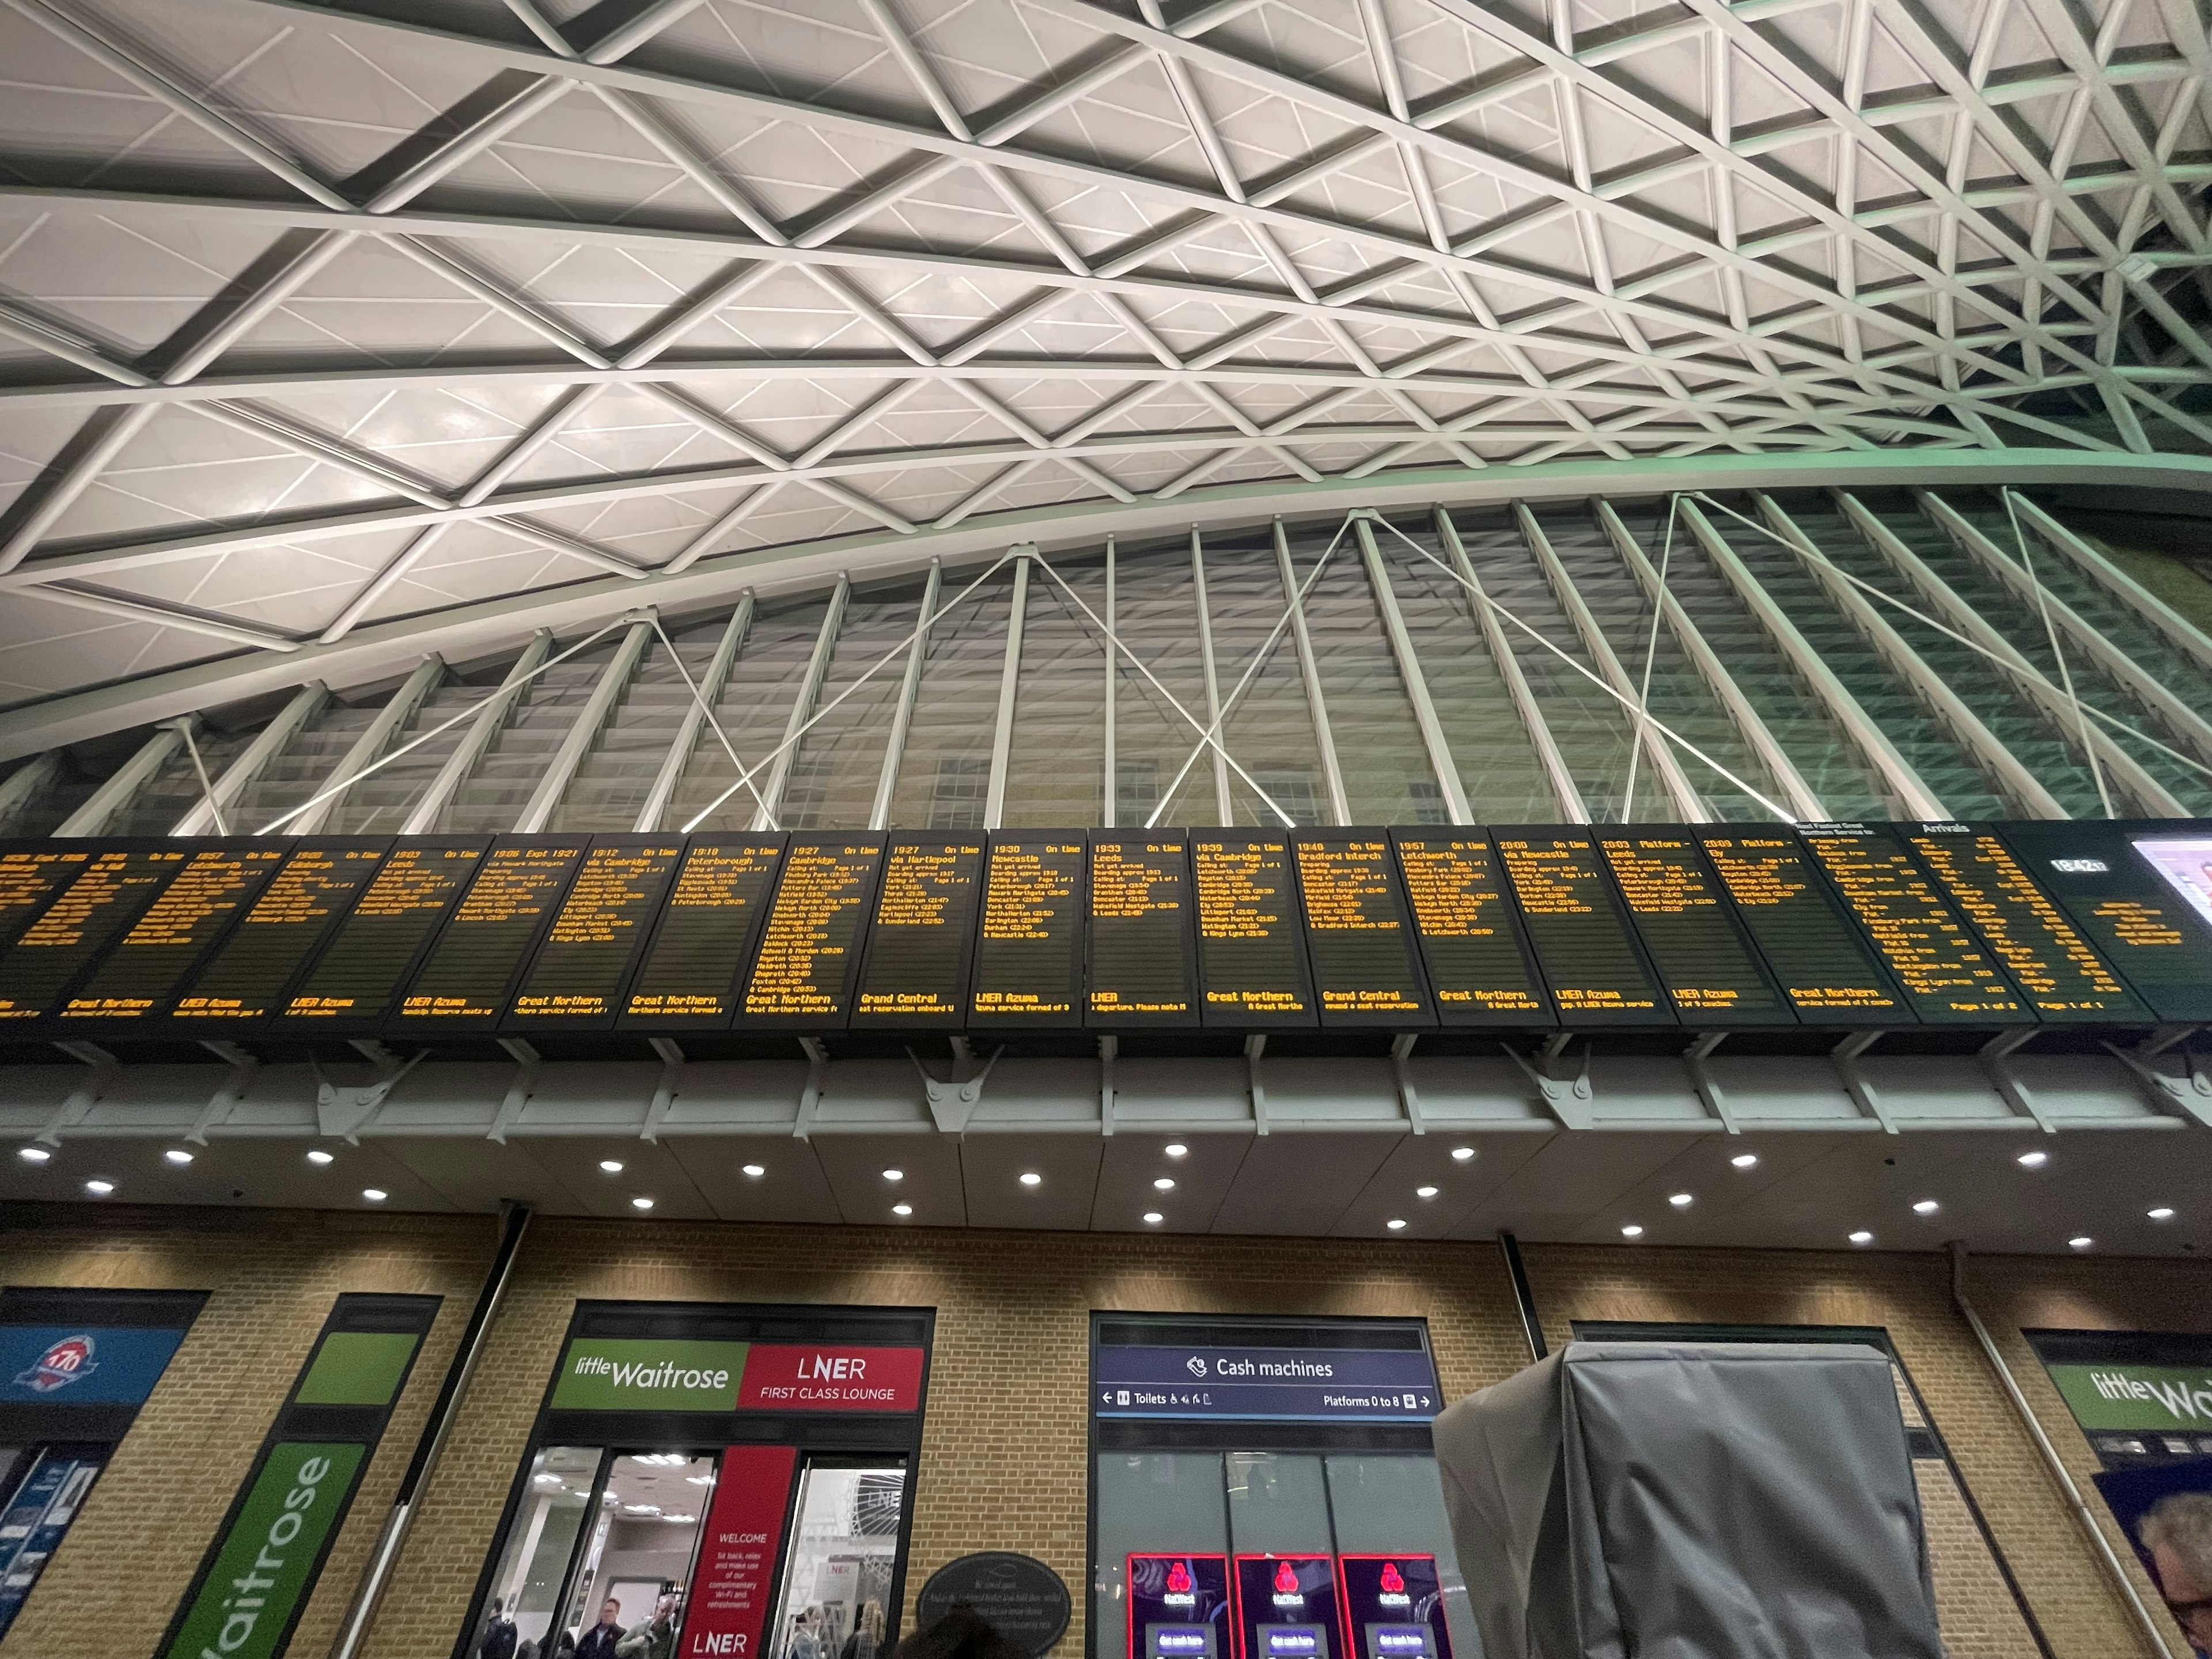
(1826, 965)
(357, 978)
(695, 966)
(1393, 1606)
(1359, 933)
(1698, 947)
(1178, 1606)
(1477, 960)
(2049, 958)
(244, 981)
(465, 983)
(1251, 947)
(200, 904)
(809, 960)
(1028, 950)
(1287, 1608)
(2134, 889)
(1579, 929)
(1948, 978)
(575, 981)
(30, 877)
(113, 888)
(921, 943)
(1143, 967)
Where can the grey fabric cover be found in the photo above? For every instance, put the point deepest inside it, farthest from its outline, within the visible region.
(1690, 1501)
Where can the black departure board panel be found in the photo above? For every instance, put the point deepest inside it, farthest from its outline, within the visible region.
(2050, 958)
(1251, 948)
(1579, 929)
(143, 973)
(30, 877)
(1827, 966)
(464, 983)
(358, 977)
(1143, 958)
(695, 968)
(1029, 948)
(921, 943)
(809, 957)
(576, 983)
(1470, 934)
(1947, 977)
(1359, 932)
(246, 979)
(1690, 931)
(2142, 892)
(111, 890)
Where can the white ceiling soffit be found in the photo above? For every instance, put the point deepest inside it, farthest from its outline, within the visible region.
(377, 317)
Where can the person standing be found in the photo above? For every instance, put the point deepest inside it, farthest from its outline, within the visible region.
(653, 1637)
(599, 1641)
(499, 1635)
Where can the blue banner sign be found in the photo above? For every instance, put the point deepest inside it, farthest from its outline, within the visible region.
(83, 1365)
(1323, 1384)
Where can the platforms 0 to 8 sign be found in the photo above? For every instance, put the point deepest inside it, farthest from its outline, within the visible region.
(1312, 1384)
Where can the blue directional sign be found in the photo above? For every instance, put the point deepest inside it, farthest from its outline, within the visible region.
(1328, 1385)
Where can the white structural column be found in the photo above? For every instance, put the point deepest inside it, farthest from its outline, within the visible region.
(1340, 807)
(1111, 762)
(1950, 607)
(23, 787)
(1225, 809)
(476, 736)
(2027, 790)
(879, 815)
(2187, 722)
(2183, 635)
(1565, 790)
(207, 813)
(1914, 799)
(368, 748)
(584, 731)
(1804, 804)
(1688, 807)
(802, 706)
(709, 685)
(134, 774)
(1409, 670)
(1002, 728)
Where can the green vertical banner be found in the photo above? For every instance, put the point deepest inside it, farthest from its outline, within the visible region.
(257, 1576)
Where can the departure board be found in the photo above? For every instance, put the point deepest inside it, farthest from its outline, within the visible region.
(1358, 932)
(464, 982)
(1948, 979)
(2050, 958)
(1690, 932)
(246, 979)
(1251, 949)
(30, 877)
(2142, 892)
(1143, 968)
(1028, 950)
(920, 943)
(695, 968)
(1826, 966)
(358, 976)
(809, 960)
(112, 889)
(1578, 929)
(1471, 942)
(195, 910)
(575, 982)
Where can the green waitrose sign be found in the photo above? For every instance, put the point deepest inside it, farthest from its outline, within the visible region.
(2131, 1397)
(649, 1374)
(268, 1559)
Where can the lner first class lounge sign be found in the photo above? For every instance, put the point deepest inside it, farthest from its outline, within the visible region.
(657, 1374)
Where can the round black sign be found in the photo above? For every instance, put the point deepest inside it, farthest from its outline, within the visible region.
(1025, 1600)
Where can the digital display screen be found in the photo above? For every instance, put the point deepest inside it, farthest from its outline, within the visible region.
(1178, 1605)
(1359, 931)
(29, 879)
(1251, 949)
(1579, 931)
(144, 969)
(809, 958)
(1291, 1597)
(246, 977)
(1179, 1641)
(2049, 958)
(1143, 960)
(1826, 966)
(464, 982)
(920, 944)
(696, 961)
(1947, 977)
(1029, 953)
(577, 979)
(358, 977)
(111, 891)
(2130, 888)
(1703, 960)
(1395, 1605)
(2186, 861)
(1479, 964)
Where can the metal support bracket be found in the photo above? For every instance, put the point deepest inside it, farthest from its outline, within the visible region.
(526, 1062)
(664, 1092)
(1255, 1046)
(2187, 1096)
(1402, 1051)
(225, 1100)
(1864, 1096)
(809, 1098)
(348, 1111)
(1997, 1066)
(1567, 1099)
(1707, 1085)
(1108, 1048)
(953, 1099)
(99, 1078)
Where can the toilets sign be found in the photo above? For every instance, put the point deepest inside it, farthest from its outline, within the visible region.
(657, 1374)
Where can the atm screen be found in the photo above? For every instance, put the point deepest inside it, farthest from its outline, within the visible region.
(1285, 1606)
(1179, 1642)
(1292, 1641)
(1178, 1606)
(1396, 1604)
(1400, 1642)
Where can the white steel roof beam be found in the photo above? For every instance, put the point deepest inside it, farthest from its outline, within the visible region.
(584, 731)
(368, 748)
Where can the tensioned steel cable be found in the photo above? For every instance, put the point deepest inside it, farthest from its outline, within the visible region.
(1650, 658)
(184, 729)
(2050, 633)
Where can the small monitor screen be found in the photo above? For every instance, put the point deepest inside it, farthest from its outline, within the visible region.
(2186, 861)
(1400, 1642)
(1179, 1642)
(1294, 1642)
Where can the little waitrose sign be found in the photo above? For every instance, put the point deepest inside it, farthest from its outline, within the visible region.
(653, 1374)
(2132, 1396)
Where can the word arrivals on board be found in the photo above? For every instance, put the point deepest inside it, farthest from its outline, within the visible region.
(1831, 927)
